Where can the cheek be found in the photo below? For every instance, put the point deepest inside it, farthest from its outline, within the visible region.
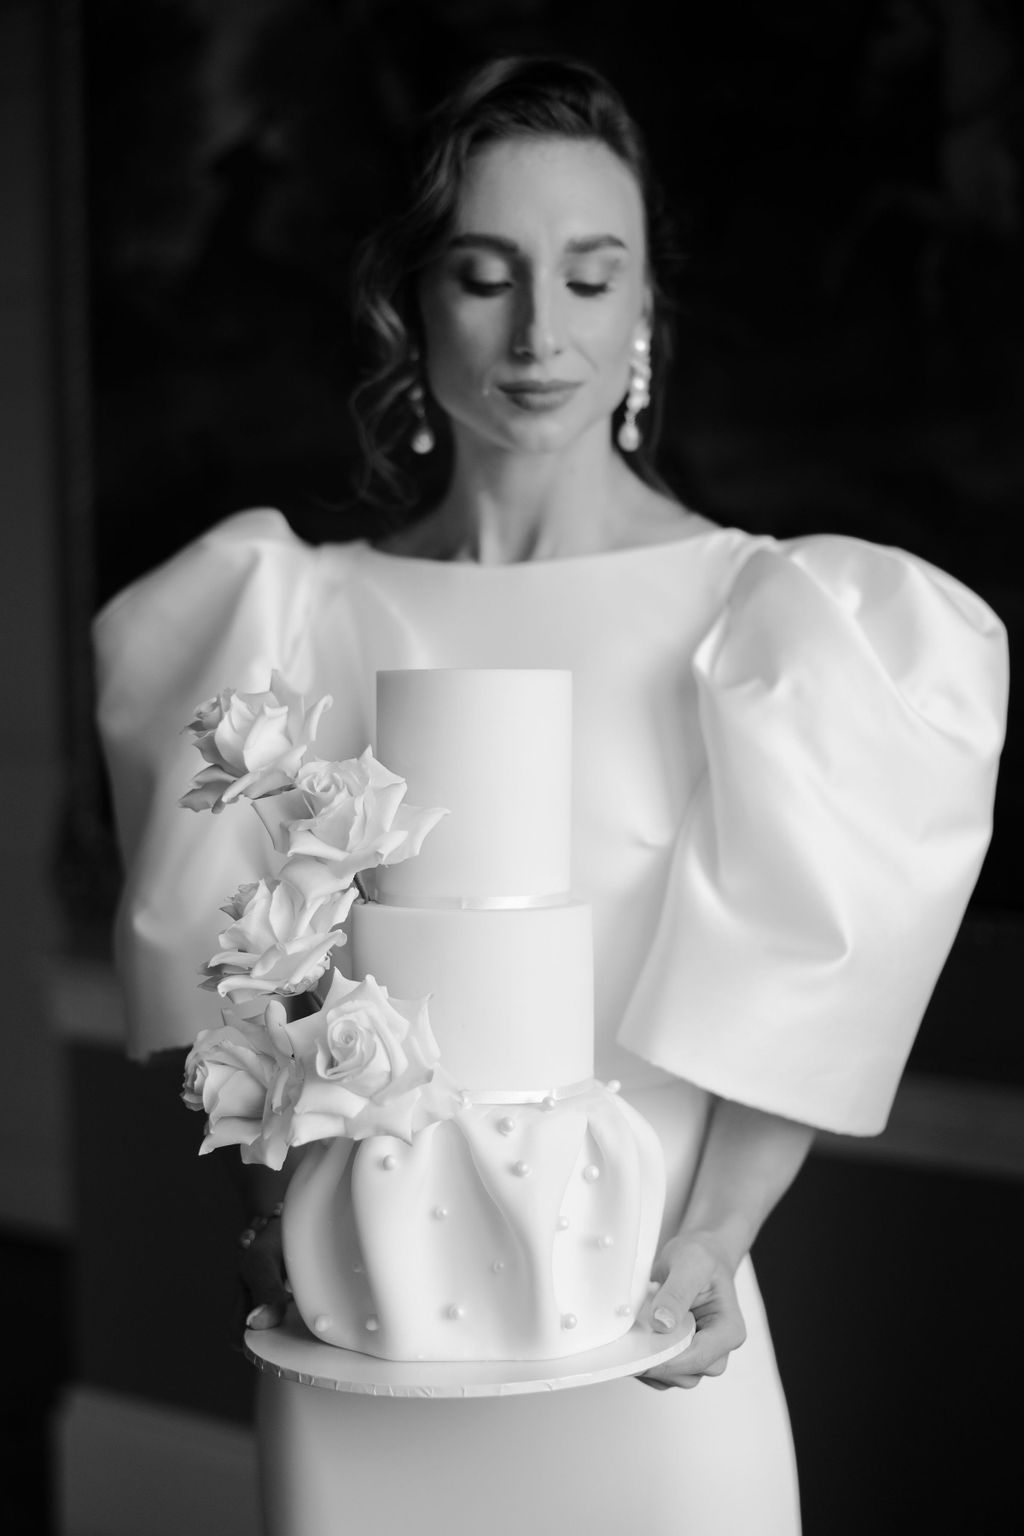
(608, 346)
(605, 334)
(460, 347)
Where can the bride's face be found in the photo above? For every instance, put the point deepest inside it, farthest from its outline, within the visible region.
(531, 310)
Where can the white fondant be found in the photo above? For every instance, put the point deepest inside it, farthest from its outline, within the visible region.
(495, 748)
(511, 993)
(339, 1211)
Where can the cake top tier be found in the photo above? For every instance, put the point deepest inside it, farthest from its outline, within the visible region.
(493, 746)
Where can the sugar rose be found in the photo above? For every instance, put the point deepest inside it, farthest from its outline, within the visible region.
(361, 822)
(254, 743)
(278, 942)
(369, 1066)
(232, 1073)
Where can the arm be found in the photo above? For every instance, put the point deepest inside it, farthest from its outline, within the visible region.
(749, 1160)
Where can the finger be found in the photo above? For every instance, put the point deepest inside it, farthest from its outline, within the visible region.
(708, 1355)
(687, 1275)
(665, 1385)
(270, 1315)
(262, 1272)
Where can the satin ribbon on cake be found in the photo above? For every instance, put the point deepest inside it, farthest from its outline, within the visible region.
(476, 903)
(534, 1095)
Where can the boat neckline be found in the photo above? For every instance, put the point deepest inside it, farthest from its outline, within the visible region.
(594, 556)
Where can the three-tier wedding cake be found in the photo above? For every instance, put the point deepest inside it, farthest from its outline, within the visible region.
(523, 1225)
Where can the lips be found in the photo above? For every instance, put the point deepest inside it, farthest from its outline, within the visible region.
(539, 395)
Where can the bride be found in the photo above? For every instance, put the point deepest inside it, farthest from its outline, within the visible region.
(785, 762)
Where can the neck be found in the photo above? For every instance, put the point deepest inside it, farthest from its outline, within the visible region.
(503, 508)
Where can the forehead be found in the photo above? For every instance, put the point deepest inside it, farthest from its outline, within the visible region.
(557, 189)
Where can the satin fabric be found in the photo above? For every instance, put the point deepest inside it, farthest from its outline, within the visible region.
(785, 758)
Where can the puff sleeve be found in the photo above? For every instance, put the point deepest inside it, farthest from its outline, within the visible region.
(222, 613)
(852, 705)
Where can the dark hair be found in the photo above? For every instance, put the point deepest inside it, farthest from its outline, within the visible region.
(517, 96)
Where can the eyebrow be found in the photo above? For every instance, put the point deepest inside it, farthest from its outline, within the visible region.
(582, 246)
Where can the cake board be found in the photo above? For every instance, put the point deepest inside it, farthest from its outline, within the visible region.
(293, 1354)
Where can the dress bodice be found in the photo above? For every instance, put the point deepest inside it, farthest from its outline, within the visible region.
(785, 758)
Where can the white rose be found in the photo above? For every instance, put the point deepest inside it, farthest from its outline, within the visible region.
(244, 1076)
(362, 822)
(254, 743)
(279, 943)
(369, 1066)
(322, 783)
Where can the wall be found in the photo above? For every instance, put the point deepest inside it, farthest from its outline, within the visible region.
(33, 1126)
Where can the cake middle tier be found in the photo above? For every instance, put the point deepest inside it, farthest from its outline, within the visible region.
(511, 992)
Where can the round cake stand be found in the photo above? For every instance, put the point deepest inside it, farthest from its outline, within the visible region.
(292, 1352)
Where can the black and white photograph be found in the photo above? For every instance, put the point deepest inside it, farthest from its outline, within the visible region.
(513, 573)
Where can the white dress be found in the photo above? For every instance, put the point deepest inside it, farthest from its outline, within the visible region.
(785, 760)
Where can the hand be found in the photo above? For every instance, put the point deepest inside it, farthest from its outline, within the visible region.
(695, 1275)
(261, 1272)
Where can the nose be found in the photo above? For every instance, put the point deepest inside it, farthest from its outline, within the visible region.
(537, 332)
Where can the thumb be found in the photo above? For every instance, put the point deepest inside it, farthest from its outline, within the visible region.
(684, 1272)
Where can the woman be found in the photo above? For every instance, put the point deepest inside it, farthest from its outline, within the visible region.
(786, 757)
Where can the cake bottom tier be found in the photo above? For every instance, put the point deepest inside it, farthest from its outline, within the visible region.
(514, 1231)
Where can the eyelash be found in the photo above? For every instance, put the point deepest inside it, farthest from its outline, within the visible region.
(483, 290)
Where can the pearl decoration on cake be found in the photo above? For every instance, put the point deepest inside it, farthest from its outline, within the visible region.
(562, 1223)
(613, 1085)
(372, 1323)
(506, 1125)
(548, 1101)
(498, 1266)
(520, 1169)
(569, 1319)
(606, 1240)
(440, 1212)
(389, 1162)
(455, 1311)
(591, 1173)
(321, 1323)
(625, 1310)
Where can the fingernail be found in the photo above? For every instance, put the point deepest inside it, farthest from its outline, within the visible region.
(254, 1317)
(664, 1320)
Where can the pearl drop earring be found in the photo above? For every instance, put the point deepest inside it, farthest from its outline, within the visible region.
(422, 437)
(638, 396)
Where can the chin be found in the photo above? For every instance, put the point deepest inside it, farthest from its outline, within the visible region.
(544, 434)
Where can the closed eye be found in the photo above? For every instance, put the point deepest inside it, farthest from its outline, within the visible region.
(485, 290)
